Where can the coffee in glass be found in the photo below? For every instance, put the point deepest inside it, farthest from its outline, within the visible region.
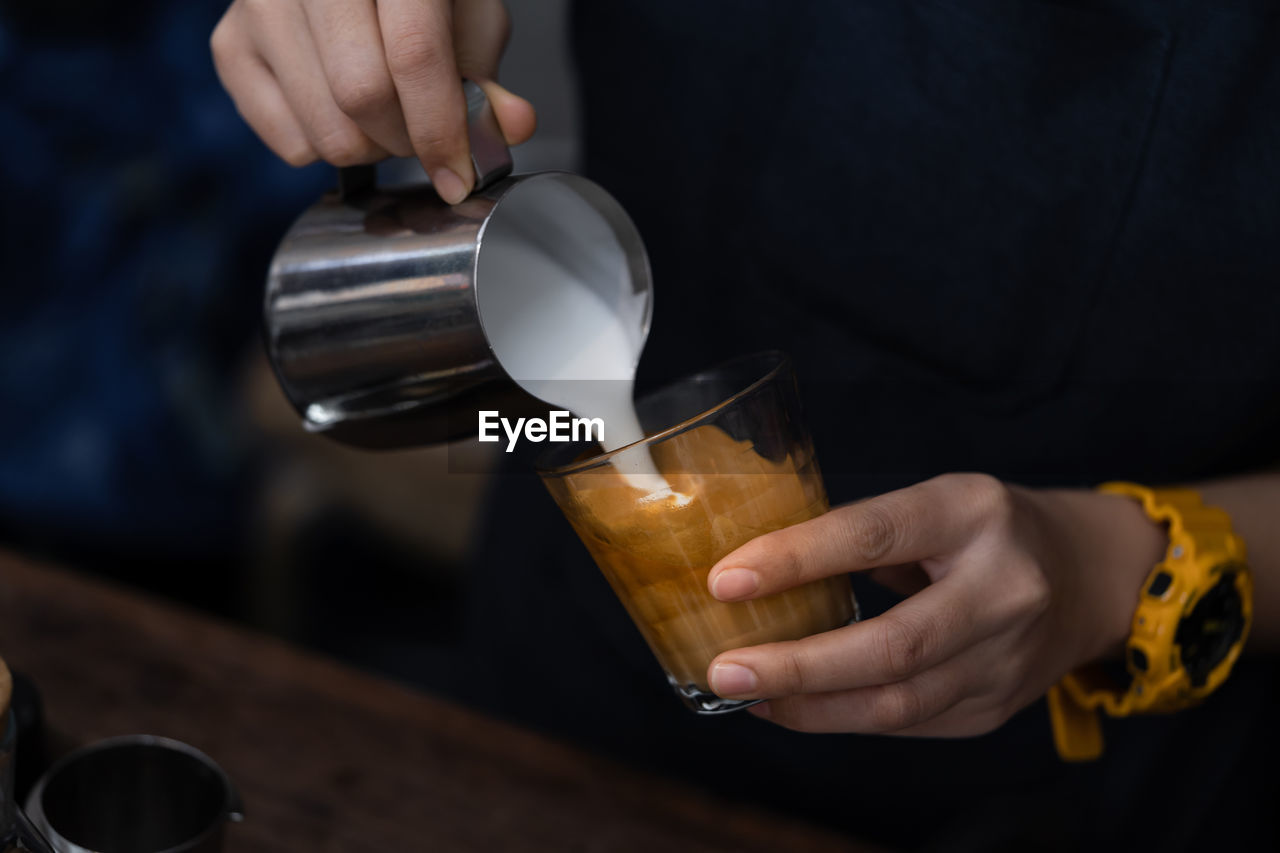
(738, 463)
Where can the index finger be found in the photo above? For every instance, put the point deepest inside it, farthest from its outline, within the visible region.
(418, 38)
(915, 635)
(929, 519)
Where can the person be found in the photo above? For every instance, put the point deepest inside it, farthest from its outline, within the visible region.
(1021, 238)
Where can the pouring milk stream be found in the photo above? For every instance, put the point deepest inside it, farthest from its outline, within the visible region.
(560, 333)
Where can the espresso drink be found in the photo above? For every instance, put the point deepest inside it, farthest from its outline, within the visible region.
(657, 516)
(657, 549)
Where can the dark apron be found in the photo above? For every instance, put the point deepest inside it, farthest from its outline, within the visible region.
(1029, 238)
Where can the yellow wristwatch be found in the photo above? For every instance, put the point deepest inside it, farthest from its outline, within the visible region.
(1192, 619)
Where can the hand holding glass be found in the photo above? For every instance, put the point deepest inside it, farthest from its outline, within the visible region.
(740, 463)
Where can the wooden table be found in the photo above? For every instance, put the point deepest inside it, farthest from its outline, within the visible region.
(331, 759)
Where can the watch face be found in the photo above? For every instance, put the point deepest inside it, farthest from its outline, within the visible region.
(1205, 635)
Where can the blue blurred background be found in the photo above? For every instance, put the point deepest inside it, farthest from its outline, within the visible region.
(143, 437)
(139, 215)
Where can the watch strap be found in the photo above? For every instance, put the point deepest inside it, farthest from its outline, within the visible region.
(1202, 550)
(1077, 731)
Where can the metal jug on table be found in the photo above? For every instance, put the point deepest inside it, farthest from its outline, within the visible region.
(382, 304)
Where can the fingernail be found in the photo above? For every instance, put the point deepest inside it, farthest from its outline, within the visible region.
(448, 185)
(731, 679)
(732, 584)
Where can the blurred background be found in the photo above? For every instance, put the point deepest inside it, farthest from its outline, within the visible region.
(144, 437)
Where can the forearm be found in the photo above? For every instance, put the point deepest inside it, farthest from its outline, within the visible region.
(1117, 546)
(1253, 502)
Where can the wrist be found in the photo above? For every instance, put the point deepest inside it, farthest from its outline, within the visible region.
(1113, 547)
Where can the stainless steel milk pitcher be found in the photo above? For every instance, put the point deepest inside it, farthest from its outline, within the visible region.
(375, 322)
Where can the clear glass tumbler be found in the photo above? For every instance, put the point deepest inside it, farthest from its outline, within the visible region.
(740, 463)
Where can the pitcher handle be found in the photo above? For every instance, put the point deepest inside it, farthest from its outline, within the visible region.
(490, 156)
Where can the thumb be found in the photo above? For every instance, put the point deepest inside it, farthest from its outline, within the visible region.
(481, 30)
(515, 115)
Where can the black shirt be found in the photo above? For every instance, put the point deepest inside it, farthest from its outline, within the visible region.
(1034, 239)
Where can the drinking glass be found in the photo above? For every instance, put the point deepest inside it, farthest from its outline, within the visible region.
(733, 447)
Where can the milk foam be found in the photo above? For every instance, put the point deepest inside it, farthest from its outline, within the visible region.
(562, 337)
